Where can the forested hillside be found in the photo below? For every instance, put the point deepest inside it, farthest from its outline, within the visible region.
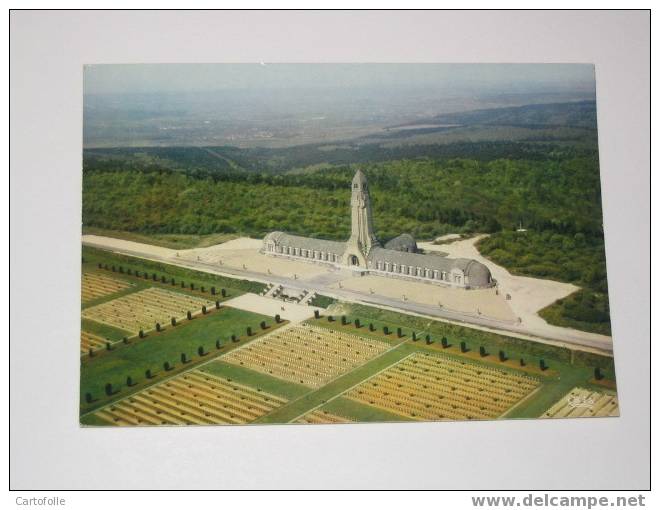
(480, 143)
(424, 197)
(549, 184)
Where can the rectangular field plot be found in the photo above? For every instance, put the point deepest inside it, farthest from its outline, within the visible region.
(434, 387)
(90, 341)
(143, 309)
(307, 355)
(319, 416)
(95, 286)
(582, 403)
(193, 398)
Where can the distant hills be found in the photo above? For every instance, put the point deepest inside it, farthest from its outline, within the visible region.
(574, 114)
(531, 132)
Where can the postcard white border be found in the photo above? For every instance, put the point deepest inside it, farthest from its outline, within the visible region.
(50, 451)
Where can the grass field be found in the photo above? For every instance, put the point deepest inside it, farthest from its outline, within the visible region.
(514, 348)
(153, 351)
(95, 286)
(307, 355)
(328, 358)
(321, 416)
(583, 403)
(90, 341)
(565, 369)
(134, 284)
(193, 398)
(426, 386)
(141, 311)
(333, 399)
(285, 389)
(322, 301)
(302, 399)
(130, 285)
(105, 331)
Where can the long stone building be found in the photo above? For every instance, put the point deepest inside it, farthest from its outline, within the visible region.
(363, 252)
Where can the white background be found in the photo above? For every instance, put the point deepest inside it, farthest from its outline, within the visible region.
(49, 450)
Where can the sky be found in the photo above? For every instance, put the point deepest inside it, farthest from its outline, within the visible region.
(484, 78)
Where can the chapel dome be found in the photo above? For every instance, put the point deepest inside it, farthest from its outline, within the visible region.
(478, 275)
(404, 242)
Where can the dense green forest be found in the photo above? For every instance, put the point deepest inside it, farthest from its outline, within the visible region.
(424, 197)
(201, 161)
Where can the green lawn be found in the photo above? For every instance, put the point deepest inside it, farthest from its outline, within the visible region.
(555, 382)
(257, 380)
(103, 330)
(140, 283)
(322, 301)
(92, 257)
(555, 389)
(94, 421)
(567, 368)
(136, 285)
(514, 348)
(320, 396)
(151, 353)
(360, 412)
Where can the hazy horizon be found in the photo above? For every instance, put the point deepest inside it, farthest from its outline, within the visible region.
(159, 78)
(285, 104)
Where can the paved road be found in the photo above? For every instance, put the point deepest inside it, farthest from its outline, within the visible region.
(564, 336)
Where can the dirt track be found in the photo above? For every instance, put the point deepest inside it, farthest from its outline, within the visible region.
(528, 295)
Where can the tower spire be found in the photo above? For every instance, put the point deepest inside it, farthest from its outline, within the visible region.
(362, 232)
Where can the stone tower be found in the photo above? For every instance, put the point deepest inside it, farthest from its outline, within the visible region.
(362, 231)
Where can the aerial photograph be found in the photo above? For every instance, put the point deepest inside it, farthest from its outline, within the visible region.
(342, 243)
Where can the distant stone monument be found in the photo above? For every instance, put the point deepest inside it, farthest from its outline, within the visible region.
(362, 238)
(363, 252)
